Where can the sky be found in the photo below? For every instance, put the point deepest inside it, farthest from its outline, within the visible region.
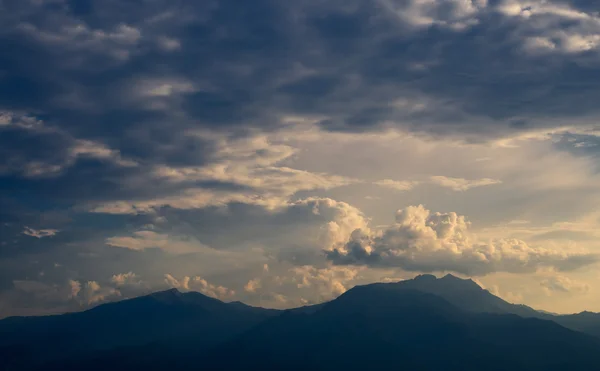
(281, 152)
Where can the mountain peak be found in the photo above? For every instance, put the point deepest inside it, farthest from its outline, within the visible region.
(425, 278)
(447, 279)
(172, 291)
(167, 295)
(448, 282)
(452, 278)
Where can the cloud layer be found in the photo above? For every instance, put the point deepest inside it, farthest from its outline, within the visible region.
(420, 240)
(197, 144)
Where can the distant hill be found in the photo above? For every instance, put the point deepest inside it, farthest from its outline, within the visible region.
(587, 322)
(169, 318)
(467, 295)
(381, 327)
(426, 323)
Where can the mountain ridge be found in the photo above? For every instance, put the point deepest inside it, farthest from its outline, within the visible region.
(177, 329)
(429, 278)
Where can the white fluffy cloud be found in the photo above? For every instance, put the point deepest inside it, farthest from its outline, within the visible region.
(199, 284)
(328, 283)
(252, 285)
(345, 218)
(123, 279)
(93, 293)
(75, 288)
(420, 240)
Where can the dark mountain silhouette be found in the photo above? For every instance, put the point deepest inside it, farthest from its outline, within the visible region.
(587, 322)
(421, 324)
(381, 327)
(467, 295)
(169, 318)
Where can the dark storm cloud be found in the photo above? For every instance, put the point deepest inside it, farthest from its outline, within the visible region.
(295, 232)
(135, 77)
(250, 62)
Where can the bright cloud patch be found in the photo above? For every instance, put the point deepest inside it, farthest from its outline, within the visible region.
(244, 171)
(142, 240)
(460, 184)
(123, 279)
(198, 283)
(398, 185)
(420, 240)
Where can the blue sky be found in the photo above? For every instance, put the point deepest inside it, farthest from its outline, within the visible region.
(281, 152)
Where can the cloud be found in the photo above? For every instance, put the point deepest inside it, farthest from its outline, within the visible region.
(151, 91)
(252, 285)
(92, 293)
(40, 233)
(456, 184)
(80, 38)
(300, 285)
(461, 184)
(94, 117)
(49, 150)
(327, 282)
(75, 288)
(295, 232)
(571, 235)
(563, 284)
(420, 240)
(86, 148)
(242, 171)
(114, 42)
(123, 279)
(545, 23)
(173, 282)
(398, 185)
(127, 122)
(169, 44)
(454, 14)
(198, 283)
(144, 239)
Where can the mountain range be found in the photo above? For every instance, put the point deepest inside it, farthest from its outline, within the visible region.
(426, 323)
